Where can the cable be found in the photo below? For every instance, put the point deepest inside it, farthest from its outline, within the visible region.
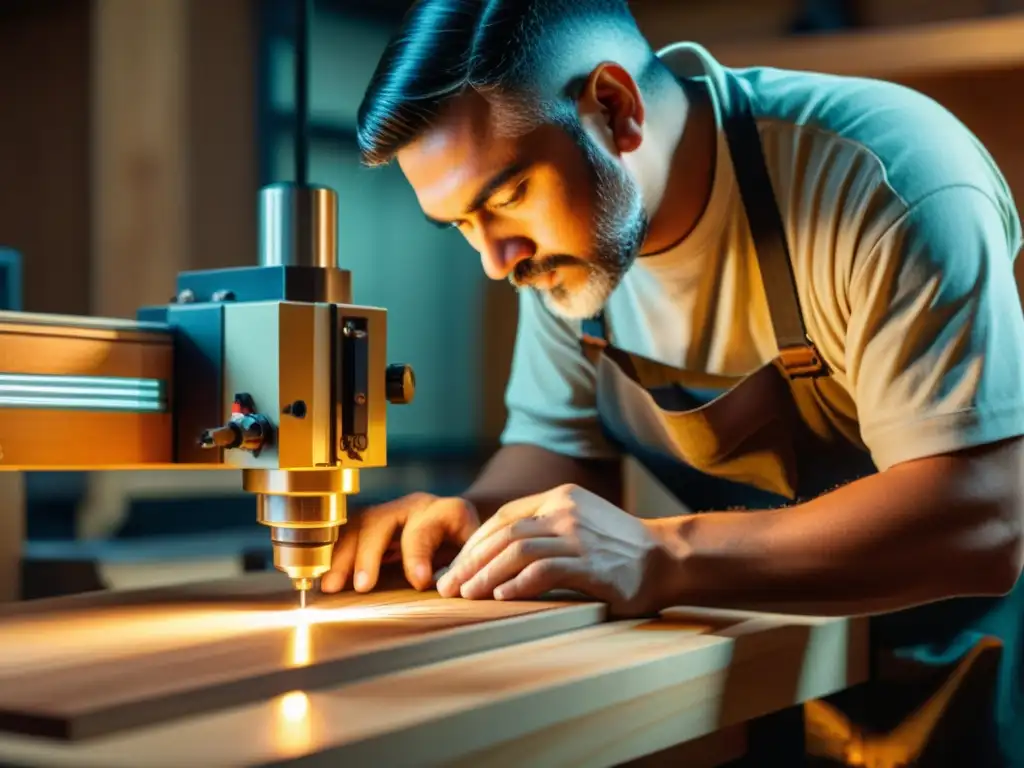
(303, 19)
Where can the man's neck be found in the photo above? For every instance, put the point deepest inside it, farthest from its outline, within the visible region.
(686, 189)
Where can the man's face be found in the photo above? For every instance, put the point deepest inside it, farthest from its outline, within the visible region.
(549, 209)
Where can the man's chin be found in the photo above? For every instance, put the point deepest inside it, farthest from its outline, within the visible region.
(578, 303)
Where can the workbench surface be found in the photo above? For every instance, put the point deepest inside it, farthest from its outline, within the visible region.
(230, 673)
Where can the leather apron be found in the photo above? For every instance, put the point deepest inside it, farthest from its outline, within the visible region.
(760, 441)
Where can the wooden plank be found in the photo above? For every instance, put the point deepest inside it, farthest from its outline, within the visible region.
(78, 667)
(598, 696)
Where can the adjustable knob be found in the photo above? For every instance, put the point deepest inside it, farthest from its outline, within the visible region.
(400, 383)
(247, 430)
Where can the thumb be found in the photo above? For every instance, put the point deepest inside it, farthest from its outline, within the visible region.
(445, 520)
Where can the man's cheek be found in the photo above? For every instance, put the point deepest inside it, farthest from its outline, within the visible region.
(565, 230)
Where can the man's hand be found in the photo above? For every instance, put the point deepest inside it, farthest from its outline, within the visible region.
(426, 523)
(566, 538)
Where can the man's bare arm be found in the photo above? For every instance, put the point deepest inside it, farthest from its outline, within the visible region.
(926, 530)
(516, 471)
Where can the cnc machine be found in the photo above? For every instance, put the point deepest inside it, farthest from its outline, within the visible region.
(270, 370)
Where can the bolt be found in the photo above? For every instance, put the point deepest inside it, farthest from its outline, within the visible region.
(185, 297)
(296, 409)
(360, 398)
(223, 295)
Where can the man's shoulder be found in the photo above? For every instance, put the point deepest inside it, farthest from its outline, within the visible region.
(902, 138)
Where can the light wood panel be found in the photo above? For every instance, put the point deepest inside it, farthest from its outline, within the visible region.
(598, 696)
(78, 667)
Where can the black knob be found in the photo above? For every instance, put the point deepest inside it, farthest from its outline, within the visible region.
(400, 383)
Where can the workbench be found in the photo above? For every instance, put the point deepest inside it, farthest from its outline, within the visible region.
(232, 673)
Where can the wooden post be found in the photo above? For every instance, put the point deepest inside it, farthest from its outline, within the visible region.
(174, 174)
(12, 534)
(140, 179)
(174, 149)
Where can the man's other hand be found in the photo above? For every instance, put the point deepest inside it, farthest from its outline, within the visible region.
(567, 538)
(424, 523)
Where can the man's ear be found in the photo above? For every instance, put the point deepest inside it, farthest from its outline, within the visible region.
(611, 100)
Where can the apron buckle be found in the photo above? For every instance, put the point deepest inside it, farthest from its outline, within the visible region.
(802, 361)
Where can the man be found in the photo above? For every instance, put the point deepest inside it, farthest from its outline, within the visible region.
(786, 292)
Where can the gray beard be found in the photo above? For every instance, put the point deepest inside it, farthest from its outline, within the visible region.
(620, 227)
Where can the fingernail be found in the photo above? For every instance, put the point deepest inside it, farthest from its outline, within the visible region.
(499, 593)
(423, 573)
(362, 581)
(329, 582)
(447, 587)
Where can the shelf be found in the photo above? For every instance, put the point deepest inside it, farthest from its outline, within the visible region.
(933, 49)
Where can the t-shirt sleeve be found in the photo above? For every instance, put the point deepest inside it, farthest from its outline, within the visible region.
(935, 340)
(551, 395)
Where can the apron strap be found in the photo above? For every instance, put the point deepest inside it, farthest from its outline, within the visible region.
(594, 331)
(797, 353)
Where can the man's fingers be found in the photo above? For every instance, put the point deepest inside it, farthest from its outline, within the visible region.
(508, 514)
(542, 576)
(375, 534)
(420, 540)
(511, 561)
(341, 562)
(446, 520)
(469, 563)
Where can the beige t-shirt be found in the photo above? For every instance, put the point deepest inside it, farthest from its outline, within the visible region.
(902, 234)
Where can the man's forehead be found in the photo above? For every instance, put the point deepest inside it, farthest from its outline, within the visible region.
(458, 152)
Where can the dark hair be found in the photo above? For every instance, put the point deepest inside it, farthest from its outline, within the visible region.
(534, 53)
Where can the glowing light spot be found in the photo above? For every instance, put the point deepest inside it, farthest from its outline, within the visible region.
(300, 646)
(294, 706)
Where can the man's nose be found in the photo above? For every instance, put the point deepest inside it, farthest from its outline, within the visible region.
(500, 257)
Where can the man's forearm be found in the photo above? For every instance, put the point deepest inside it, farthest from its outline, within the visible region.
(516, 471)
(924, 531)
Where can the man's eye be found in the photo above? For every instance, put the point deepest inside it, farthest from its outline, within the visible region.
(517, 195)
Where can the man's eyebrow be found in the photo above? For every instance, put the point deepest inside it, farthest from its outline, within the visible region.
(492, 185)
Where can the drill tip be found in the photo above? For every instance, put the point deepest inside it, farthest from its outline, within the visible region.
(302, 598)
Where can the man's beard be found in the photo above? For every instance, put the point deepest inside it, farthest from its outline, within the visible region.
(620, 227)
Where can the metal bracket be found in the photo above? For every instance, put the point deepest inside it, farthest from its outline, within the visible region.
(803, 361)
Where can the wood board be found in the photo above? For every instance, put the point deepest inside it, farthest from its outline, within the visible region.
(597, 696)
(83, 666)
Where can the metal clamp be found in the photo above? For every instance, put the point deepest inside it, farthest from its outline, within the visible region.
(802, 361)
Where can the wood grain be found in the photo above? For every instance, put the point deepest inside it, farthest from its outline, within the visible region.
(79, 667)
(597, 696)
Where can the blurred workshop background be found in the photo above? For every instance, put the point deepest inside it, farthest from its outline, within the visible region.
(134, 135)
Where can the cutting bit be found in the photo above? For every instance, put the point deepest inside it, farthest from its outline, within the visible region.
(302, 586)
